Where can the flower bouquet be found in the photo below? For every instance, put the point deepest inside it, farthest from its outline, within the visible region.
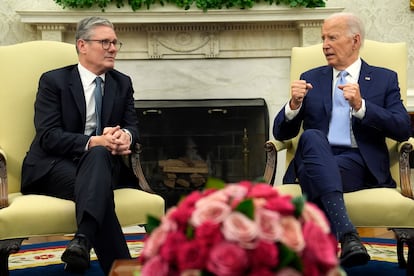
(240, 229)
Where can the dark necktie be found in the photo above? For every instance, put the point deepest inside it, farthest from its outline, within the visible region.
(98, 104)
(340, 126)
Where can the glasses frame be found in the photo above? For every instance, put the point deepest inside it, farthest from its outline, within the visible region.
(117, 44)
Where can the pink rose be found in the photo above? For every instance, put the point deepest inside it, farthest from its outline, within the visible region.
(239, 228)
(153, 243)
(319, 255)
(155, 267)
(269, 224)
(192, 255)
(288, 272)
(292, 235)
(227, 259)
(312, 213)
(236, 192)
(217, 196)
(214, 211)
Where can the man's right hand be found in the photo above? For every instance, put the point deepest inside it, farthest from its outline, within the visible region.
(299, 89)
(114, 139)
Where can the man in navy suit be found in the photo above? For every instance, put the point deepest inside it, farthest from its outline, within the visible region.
(342, 148)
(77, 154)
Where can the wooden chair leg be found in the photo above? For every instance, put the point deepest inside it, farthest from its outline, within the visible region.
(405, 236)
(8, 247)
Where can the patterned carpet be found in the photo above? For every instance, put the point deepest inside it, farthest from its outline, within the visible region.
(46, 254)
(31, 258)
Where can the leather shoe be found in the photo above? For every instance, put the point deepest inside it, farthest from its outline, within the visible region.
(77, 254)
(353, 252)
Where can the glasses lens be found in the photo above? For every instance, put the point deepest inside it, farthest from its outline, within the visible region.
(118, 45)
(106, 44)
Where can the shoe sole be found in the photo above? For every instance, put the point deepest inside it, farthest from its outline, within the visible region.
(355, 259)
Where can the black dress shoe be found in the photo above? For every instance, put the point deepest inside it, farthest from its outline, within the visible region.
(77, 254)
(353, 252)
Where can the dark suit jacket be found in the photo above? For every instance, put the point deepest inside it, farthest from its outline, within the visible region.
(60, 115)
(385, 115)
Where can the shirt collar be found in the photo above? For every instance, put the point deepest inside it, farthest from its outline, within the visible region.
(353, 70)
(87, 77)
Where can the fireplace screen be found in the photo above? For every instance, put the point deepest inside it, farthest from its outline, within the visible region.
(186, 141)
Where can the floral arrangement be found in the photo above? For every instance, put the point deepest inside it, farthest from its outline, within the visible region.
(240, 229)
(187, 4)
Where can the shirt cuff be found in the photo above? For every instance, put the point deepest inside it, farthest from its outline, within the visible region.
(360, 114)
(289, 113)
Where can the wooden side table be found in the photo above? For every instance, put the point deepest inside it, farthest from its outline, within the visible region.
(125, 268)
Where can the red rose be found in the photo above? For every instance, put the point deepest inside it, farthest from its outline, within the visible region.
(227, 259)
(265, 255)
(319, 254)
(192, 255)
(282, 204)
(262, 191)
(209, 233)
(155, 266)
(171, 246)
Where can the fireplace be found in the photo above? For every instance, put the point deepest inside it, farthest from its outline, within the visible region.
(183, 55)
(186, 141)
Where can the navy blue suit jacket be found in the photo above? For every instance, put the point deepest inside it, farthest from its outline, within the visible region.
(60, 116)
(385, 116)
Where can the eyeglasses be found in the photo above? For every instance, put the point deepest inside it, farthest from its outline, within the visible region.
(106, 43)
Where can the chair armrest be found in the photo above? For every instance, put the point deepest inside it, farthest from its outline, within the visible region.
(136, 167)
(4, 195)
(272, 147)
(404, 150)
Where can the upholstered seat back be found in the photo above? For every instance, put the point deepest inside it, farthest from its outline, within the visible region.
(18, 87)
(388, 55)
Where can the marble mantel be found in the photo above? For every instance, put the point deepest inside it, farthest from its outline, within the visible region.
(172, 33)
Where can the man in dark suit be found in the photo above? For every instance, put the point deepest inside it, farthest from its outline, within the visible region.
(347, 108)
(79, 143)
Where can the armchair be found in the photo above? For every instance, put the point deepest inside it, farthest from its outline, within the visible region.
(24, 216)
(379, 207)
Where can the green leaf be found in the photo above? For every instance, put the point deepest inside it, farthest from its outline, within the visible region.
(189, 233)
(205, 5)
(288, 258)
(152, 223)
(299, 203)
(246, 207)
(215, 183)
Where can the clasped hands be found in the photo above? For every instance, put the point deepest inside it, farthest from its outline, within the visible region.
(300, 88)
(116, 140)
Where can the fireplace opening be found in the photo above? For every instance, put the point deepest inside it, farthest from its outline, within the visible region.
(186, 141)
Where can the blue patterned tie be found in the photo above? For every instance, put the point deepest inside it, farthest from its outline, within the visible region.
(340, 127)
(98, 104)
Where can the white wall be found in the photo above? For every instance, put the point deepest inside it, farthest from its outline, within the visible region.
(385, 20)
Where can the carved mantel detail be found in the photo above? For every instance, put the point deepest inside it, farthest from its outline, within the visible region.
(174, 34)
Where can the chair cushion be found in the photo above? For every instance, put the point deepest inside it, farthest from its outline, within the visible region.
(38, 215)
(376, 207)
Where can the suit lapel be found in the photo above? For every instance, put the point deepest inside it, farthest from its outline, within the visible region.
(76, 89)
(326, 77)
(364, 79)
(110, 91)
